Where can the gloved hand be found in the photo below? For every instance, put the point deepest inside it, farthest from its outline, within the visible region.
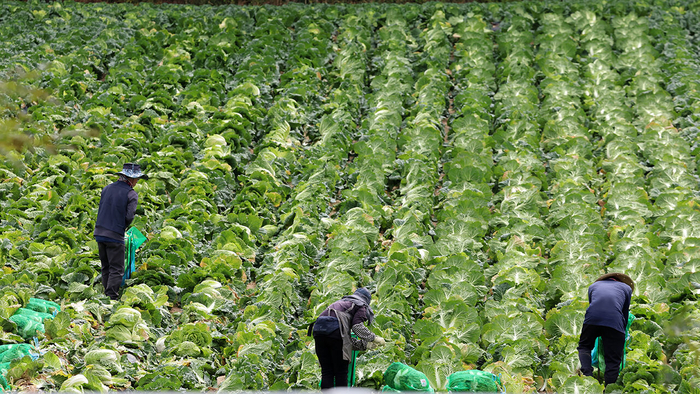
(377, 342)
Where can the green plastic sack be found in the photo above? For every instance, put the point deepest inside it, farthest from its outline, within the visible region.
(26, 326)
(4, 348)
(132, 240)
(598, 353)
(34, 315)
(44, 306)
(3, 381)
(388, 389)
(473, 381)
(11, 352)
(136, 237)
(401, 377)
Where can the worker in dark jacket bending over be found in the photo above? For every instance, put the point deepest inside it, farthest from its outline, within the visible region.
(606, 317)
(332, 335)
(117, 208)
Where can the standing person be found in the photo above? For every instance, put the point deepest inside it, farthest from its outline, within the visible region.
(606, 317)
(117, 208)
(334, 344)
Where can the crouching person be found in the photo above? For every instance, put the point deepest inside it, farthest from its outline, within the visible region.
(606, 317)
(332, 335)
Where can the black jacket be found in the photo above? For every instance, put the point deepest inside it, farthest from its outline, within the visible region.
(117, 208)
(609, 304)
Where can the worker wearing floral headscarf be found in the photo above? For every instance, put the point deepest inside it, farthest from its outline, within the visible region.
(332, 335)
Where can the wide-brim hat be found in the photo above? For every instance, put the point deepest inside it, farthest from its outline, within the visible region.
(132, 170)
(620, 277)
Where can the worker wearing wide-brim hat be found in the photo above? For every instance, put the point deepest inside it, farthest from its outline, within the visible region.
(606, 317)
(118, 204)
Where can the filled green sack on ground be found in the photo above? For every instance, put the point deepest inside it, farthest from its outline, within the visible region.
(3, 381)
(44, 306)
(34, 315)
(11, 352)
(401, 377)
(473, 381)
(27, 327)
(4, 348)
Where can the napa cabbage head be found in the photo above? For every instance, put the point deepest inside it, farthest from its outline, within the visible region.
(127, 317)
(190, 340)
(197, 333)
(104, 357)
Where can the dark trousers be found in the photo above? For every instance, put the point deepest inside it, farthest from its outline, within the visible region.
(613, 349)
(112, 258)
(334, 370)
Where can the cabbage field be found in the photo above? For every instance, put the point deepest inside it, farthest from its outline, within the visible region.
(476, 165)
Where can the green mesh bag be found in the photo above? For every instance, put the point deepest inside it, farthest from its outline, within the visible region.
(3, 381)
(27, 327)
(11, 352)
(4, 348)
(133, 239)
(39, 305)
(34, 315)
(473, 381)
(401, 377)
